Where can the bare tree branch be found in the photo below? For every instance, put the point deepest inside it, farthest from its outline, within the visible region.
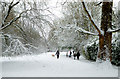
(21, 31)
(98, 3)
(13, 20)
(97, 28)
(86, 32)
(64, 2)
(8, 12)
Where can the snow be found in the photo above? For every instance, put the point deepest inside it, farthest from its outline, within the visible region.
(0, 69)
(111, 30)
(45, 65)
(87, 32)
(90, 17)
(16, 48)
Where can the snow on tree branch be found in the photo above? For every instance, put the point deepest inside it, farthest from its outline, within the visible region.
(8, 12)
(86, 32)
(98, 3)
(116, 30)
(92, 21)
(21, 30)
(10, 36)
(13, 20)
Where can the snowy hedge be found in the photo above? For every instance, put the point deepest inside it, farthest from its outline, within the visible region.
(91, 52)
(116, 54)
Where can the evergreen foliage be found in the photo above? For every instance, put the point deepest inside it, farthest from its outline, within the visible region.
(92, 50)
(116, 54)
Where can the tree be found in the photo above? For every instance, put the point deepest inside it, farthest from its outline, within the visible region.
(104, 32)
(28, 24)
(10, 23)
(8, 19)
(9, 8)
(74, 19)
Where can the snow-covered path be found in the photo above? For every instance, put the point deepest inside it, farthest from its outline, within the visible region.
(44, 65)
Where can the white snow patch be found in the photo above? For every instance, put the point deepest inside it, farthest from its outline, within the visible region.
(0, 68)
(87, 32)
(45, 65)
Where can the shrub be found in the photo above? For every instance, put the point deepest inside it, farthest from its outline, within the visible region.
(116, 54)
(91, 53)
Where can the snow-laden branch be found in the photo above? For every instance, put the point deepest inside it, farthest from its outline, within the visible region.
(31, 46)
(86, 32)
(98, 3)
(64, 3)
(13, 20)
(8, 12)
(10, 36)
(21, 31)
(116, 30)
(92, 21)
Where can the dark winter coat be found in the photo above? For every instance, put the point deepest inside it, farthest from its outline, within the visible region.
(57, 53)
(75, 54)
(70, 53)
(78, 54)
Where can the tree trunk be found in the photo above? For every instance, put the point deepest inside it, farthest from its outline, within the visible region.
(106, 38)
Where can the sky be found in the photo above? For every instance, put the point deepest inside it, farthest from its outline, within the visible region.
(57, 12)
(52, 3)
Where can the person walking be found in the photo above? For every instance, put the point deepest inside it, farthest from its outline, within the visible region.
(78, 55)
(73, 52)
(74, 55)
(70, 54)
(57, 53)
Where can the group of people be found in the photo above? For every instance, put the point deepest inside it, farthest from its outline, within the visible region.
(70, 54)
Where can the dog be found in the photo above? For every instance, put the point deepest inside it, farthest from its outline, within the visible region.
(53, 55)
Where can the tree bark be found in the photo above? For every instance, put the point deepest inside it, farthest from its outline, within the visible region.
(106, 38)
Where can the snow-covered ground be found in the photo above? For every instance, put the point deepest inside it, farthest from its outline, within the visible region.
(0, 69)
(45, 65)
